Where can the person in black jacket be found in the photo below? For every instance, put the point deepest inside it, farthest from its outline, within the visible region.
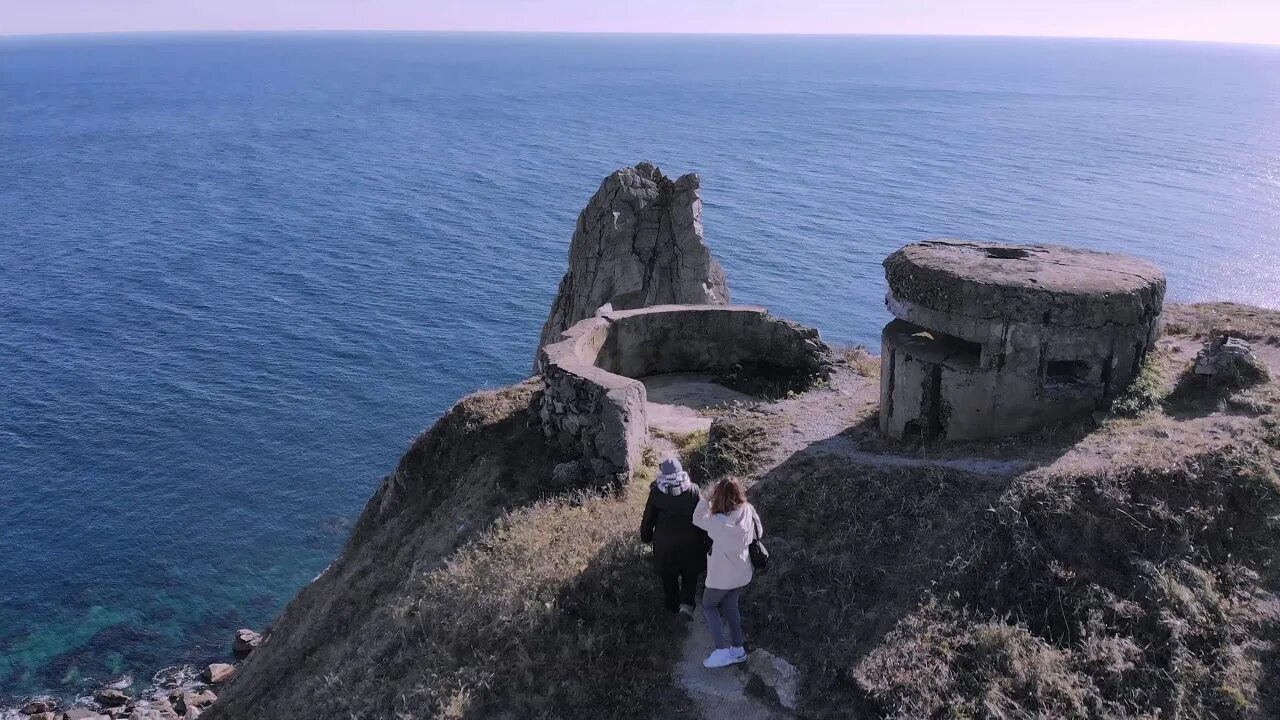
(679, 547)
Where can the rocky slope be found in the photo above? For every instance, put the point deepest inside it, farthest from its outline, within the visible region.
(639, 242)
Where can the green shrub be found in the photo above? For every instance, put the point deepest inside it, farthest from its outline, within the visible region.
(1144, 394)
(736, 446)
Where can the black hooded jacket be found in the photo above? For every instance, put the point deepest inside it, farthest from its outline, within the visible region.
(668, 523)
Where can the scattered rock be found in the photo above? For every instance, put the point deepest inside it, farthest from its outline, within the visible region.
(638, 243)
(80, 713)
(44, 716)
(246, 641)
(157, 708)
(218, 673)
(185, 702)
(110, 697)
(39, 705)
(567, 474)
(778, 674)
(1229, 362)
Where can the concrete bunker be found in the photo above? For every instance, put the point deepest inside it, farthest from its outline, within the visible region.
(992, 339)
(594, 402)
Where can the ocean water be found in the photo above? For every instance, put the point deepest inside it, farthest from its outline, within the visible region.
(239, 273)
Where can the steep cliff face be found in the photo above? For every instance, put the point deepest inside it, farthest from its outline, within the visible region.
(473, 586)
(639, 242)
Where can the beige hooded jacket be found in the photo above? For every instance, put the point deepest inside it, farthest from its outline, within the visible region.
(729, 564)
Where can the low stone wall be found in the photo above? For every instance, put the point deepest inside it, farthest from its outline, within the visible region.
(594, 406)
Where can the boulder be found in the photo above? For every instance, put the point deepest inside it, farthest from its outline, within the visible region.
(1229, 362)
(157, 708)
(80, 713)
(777, 674)
(568, 474)
(246, 641)
(184, 702)
(218, 673)
(35, 706)
(639, 242)
(111, 697)
(44, 716)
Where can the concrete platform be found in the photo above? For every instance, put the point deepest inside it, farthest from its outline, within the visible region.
(675, 401)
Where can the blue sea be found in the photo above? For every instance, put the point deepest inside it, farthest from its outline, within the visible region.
(239, 272)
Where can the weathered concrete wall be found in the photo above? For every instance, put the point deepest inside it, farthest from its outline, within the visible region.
(993, 339)
(596, 414)
(594, 406)
(711, 339)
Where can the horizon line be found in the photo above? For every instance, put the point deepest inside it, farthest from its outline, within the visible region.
(624, 33)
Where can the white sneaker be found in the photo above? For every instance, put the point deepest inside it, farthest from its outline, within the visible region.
(687, 611)
(723, 657)
(739, 654)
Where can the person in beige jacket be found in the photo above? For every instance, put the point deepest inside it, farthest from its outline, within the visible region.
(732, 524)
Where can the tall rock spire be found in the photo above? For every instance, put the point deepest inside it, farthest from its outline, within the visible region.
(638, 243)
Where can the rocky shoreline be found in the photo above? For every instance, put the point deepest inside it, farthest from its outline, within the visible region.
(175, 693)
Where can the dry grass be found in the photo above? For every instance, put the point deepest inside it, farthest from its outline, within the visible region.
(851, 551)
(768, 380)
(550, 613)
(468, 591)
(736, 445)
(689, 446)
(1201, 320)
(1132, 577)
(1147, 391)
(962, 667)
(1271, 430)
(1130, 593)
(861, 359)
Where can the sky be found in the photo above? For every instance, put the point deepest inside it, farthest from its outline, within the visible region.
(1247, 21)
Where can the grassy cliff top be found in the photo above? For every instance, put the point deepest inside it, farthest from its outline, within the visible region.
(1123, 566)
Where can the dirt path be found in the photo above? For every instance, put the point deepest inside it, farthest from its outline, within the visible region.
(719, 693)
(821, 423)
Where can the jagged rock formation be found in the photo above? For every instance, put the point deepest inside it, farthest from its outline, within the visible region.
(1227, 361)
(638, 243)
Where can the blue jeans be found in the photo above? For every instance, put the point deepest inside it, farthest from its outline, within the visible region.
(716, 603)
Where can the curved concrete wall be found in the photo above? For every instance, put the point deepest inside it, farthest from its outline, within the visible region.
(594, 406)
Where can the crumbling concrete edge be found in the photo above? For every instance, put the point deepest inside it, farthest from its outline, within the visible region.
(599, 416)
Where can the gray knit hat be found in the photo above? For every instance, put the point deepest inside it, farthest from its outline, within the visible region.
(671, 466)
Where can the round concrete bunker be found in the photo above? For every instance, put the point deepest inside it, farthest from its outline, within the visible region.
(594, 404)
(992, 339)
